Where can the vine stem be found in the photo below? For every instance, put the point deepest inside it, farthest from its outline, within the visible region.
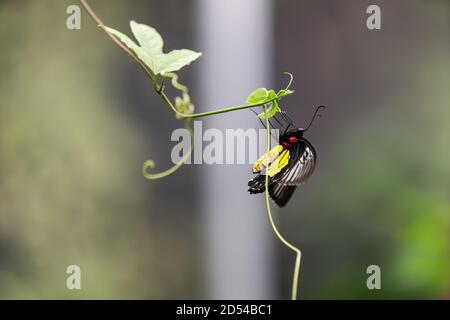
(100, 24)
(214, 112)
(150, 163)
(274, 227)
(159, 89)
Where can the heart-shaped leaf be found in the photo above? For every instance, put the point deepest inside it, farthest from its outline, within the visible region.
(258, 96)
(150, 49)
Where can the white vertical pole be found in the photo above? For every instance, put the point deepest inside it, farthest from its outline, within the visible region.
(235, 37)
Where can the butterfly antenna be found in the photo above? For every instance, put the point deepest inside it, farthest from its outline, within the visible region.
(314, 116)
(288, 120)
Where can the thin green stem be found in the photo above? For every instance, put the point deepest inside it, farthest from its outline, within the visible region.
(100, 24)
(150, 164)
(214, 112)
(159, 89)
(274, 227)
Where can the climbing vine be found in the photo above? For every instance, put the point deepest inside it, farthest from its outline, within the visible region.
(161, 68)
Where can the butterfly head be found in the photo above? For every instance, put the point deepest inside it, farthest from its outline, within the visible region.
(288, 139)
(291, 137)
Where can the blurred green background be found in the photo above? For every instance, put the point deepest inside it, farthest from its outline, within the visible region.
(77, 120)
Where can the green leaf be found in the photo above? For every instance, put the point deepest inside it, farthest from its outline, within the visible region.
(151, 52)
(149, 39)
(257, 96)
(140, 53)
(271, 95)
(175, 60)
(271, 111)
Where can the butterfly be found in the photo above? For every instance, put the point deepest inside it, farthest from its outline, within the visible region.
(288, 164)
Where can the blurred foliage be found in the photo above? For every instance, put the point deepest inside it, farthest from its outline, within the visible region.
(387, 199)
(70, 185)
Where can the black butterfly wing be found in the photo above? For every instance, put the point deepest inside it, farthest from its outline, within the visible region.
(301, 164)
(257, 184)
(280, 193)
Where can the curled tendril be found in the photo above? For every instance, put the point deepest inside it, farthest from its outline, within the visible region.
(290, 80)
(175, 82)
(286, 91)
(184, 105)
(150, 164)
